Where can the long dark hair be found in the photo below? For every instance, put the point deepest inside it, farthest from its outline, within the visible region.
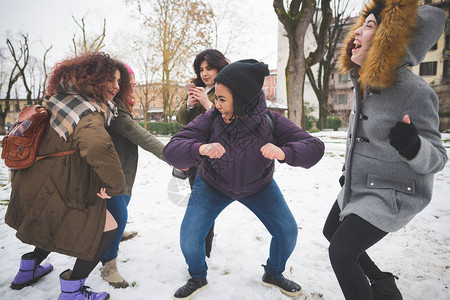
(215, 60)
(93, 68)
(124, 97)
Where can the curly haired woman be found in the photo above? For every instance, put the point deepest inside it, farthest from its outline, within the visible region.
(58, 204)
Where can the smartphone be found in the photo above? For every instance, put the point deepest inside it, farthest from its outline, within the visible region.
(179, 174)
(190, 86)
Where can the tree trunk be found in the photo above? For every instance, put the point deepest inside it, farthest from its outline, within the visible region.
(295, 88)
(2, 123)
(323, 111)
(145, 107)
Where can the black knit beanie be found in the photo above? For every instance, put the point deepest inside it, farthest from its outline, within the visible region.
(244, 78)
(376, 11)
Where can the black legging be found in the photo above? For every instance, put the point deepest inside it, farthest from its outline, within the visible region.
(349, 241)
(82, 268)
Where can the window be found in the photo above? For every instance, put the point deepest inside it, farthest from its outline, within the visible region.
(446, 71)
(428, 1)
(343, 78)
(434, 47)
(447, 42)
(428, 68)
(340, 99)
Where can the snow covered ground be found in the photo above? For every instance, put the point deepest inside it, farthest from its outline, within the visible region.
(418, 253)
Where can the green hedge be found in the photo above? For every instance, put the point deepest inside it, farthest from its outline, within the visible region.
(162, 128)
(334, 122)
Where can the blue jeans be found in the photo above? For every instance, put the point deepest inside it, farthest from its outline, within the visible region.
(206, 203)
(117, 206)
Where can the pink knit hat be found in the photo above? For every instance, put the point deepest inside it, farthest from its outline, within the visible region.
(128, 68)
(131, 73)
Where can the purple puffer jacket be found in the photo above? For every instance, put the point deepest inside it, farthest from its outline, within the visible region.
(242, 170)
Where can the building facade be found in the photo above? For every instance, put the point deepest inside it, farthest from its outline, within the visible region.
(152, 96)
(15, 106)
(435, 70)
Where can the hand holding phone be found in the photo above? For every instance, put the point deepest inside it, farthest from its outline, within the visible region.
(190, 86)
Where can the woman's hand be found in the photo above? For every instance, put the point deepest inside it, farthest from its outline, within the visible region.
(103, 194)
(198, 94)
(270, 151)
(191, 100)
(213, 150)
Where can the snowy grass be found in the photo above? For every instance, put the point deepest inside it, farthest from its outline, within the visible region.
(419, 253)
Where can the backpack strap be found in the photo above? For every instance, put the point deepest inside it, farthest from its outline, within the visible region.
(272, 127)
(63, 153)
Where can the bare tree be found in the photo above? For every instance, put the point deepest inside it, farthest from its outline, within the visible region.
(320, 84)
(21, 60)
(179, 28)
(149, 65)
(86, 44)
(296, 20)
(14, 75)
(3, 74)
(35, 78)
(44, 65)
(227, 26)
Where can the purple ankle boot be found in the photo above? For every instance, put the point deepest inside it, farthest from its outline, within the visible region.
(29, 272)
(74, 289)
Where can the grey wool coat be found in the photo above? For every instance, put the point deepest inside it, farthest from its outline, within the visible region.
(381, 186)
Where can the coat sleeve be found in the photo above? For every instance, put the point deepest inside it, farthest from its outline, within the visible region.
(97, 148)
(301, 148)
(185, 116)
(125, 126)
(422, 108)
(182, 149)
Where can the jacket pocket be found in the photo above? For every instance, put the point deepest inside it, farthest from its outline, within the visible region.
(391, 189)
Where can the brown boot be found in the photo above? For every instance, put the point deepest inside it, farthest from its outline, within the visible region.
(111, 274)
(127, 235)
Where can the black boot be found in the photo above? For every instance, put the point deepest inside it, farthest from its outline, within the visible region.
(286, 286)
(385, 289)
(191, 288)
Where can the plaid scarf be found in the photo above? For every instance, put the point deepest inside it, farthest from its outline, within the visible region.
(69, 105)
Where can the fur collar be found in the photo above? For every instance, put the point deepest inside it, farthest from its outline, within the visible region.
(391, 41)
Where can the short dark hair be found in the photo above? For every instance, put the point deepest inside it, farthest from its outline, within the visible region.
(215, 60)
(376, 11)
(242, 108)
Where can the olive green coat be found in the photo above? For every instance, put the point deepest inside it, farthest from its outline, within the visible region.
(54, 204)
(185, 116)
(127, 135)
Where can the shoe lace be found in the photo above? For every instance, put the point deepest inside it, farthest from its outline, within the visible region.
(85, 292)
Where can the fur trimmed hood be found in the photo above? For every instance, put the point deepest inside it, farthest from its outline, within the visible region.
(405, 35)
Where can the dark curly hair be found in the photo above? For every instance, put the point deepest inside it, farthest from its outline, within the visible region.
(215, 60)
(94, 68)
(124, 73)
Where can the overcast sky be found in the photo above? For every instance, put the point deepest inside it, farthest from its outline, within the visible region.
(50, 22)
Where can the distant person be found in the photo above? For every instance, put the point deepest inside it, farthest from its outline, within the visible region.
(200, 99)
(393, 145)
(237, 150)
(127, 135)
(59, 204)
